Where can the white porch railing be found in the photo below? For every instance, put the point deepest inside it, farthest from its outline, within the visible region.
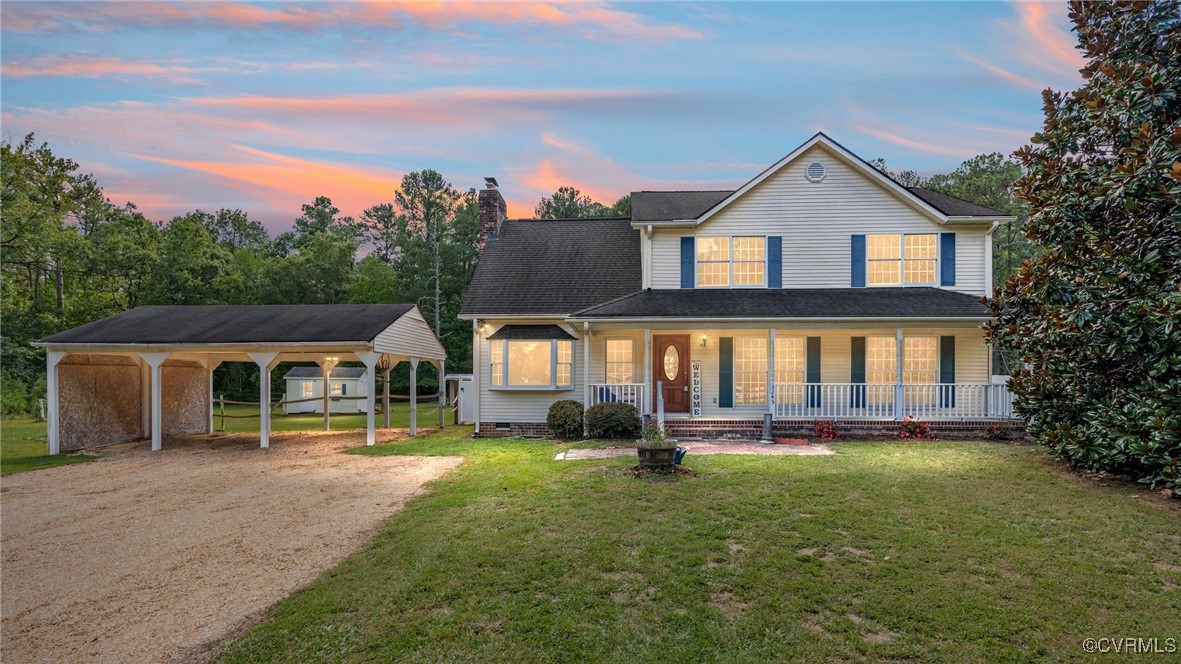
(874, 401)
(629, 393)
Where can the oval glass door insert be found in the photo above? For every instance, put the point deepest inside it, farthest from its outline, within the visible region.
(672, 363)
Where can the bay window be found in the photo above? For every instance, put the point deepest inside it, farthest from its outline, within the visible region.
(897, 260)
(532, 364)
(731, 261)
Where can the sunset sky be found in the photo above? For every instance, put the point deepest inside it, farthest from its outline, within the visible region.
(263, 106)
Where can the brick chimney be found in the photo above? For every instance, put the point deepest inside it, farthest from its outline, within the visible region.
(492, 213)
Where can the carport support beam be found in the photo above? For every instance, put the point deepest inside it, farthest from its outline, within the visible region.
(413, 396)
(155, 362)
(210, 365)
(385, 394)
(53, 400)
(370, 359)
(264, 361)
(326, 367)
(442, 395)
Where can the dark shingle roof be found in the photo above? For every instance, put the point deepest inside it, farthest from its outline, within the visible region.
(229, 324)
(317, 372)
(554, 267)
(531, 332)
(791, 303)
(952, 206)
(673, 205)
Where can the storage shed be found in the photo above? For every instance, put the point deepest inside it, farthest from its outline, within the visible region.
(148, 372)
(305, 390)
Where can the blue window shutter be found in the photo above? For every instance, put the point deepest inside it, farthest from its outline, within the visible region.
(688, 262)
(858, 267)
(947, 371)
(774, 262)
(812, 370)
(726, 372)
(947, 259)
(344, 389)
(857, 372)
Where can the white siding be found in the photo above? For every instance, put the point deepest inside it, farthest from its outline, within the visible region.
(816, 221)
(410, 336)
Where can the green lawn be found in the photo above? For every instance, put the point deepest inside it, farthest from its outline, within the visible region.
(931, 551)
(23, 447)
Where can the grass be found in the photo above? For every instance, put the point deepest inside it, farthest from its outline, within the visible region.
(23, 443)
(23, 447)
(934, 551)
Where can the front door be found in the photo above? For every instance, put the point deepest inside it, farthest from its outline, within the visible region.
(670, 366)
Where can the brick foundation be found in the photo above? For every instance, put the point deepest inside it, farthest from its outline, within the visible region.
(514, 430)
(753, 429)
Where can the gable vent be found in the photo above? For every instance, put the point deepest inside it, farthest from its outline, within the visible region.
(815, 172)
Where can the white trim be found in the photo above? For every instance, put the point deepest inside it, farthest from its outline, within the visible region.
(554, 363)
(729, 262)
(723, 321)
(607, 359)
(902, 261)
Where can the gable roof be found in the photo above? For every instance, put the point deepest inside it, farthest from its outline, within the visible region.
(316, 372)
(941, 208)
(530, 332)
(671, 205)
(776, 303)
(231, 324)
(538, 267)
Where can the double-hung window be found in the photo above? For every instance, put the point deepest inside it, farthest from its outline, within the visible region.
(789, 369)
(543, 364)
(306, 389)
(750, 370)
(898, 260)
(920, 364)
(620, 362)
(724, 262)
(337, 390)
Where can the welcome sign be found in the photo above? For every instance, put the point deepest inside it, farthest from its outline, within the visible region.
(695, 394)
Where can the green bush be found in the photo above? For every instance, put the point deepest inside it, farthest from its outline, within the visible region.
(565, 419)
(15, 399)
(612, 420)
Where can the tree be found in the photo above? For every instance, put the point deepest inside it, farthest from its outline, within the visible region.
(428, 204)
(189, 263)
(383, 230)
(903, 177)
(320, 216)
(233, 229)
(569, 203)
(1095, 314)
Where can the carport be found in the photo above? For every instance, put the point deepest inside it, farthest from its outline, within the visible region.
(148, 372)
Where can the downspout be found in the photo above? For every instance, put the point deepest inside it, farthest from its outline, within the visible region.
(989, 290)
(646, 255)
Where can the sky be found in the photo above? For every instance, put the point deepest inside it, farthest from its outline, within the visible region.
(262, 106)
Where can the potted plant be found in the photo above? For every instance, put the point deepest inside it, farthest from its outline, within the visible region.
(655, 448)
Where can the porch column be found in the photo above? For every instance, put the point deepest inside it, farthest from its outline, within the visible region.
(899, 391)
(210, 365)
(769, 416)
(370, 358)
(265, 362)
(53, 400)
(647, 371)
(326, 366)
(442, 366)
(155, 362)
(586, 388)
(145, 398)
(413, 396)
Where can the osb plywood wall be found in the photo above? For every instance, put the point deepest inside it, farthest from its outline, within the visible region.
(186, 398)
(99, 400)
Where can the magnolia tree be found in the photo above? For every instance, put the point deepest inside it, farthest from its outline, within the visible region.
(1096, 316)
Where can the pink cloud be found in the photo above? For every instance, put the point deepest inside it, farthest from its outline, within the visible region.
(1001, 73)
(594, 20)
(1052, 41)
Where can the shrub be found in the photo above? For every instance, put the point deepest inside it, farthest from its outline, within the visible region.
(565, 419)
(999, 431)
(914, 428)
(826, 431)
(612, 420)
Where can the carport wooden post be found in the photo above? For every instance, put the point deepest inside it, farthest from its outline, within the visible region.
(385, 392)
(53, 400)
(442, 394)
(210, 365)
(370, 358)
(413, 396)
(145, 398)
(264, 361)
(156, 361)
(327, 365)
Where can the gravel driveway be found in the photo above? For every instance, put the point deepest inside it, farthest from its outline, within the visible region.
(146, 557)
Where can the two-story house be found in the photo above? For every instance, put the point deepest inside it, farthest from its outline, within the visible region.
(819, 290)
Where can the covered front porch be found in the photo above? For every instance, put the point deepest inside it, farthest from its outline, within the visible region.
(693, 375)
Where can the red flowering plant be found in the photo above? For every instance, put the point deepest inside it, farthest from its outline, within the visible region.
(999, 431)
(826, 431)
(914, 428)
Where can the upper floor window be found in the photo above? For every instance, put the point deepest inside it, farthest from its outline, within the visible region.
(620, 362)
(541, 364)
(731, 261)
(896, 260)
